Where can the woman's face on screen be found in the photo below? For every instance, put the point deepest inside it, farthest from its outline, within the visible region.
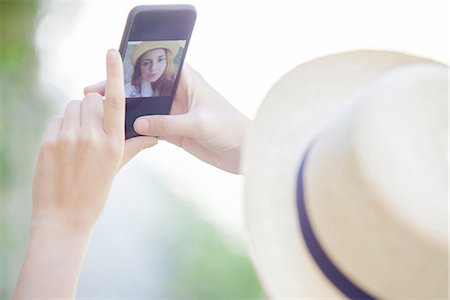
(153, 64)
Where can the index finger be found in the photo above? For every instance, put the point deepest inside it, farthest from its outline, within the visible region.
(114, 115)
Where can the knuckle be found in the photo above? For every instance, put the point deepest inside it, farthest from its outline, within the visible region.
(95, 142)
(49, 145)
(92, 103)
(50, 140)
(54, 120)
(86, 138)
(161, 126)
(72, 108)
(67, 140)
(73, 104)
(92, 100)
(203, 121)
(166, 126)
(93, 96)
(116, 103)
(113, 148)
(92, 139)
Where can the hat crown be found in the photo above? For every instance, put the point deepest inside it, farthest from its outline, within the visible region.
(368, 184)
(402, 147)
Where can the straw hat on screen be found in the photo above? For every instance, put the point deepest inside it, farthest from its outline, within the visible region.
(346, 180)
(172, 46)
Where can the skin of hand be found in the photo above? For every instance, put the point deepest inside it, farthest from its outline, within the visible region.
(79, 156)
(201, 122)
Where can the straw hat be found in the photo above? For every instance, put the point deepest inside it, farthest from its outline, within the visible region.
(143, 47)
(346, 179)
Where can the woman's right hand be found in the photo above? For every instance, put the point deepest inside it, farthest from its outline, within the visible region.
(201, 122)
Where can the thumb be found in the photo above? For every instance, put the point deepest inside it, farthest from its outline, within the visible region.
(135, 145)
(99, 87)
(166, 126)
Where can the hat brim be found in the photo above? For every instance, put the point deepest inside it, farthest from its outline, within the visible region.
(297, 107)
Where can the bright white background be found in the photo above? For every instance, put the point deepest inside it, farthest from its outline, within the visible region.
(241, 48)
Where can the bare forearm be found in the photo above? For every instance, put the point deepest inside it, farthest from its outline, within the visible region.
(52, 264)
(79, 156)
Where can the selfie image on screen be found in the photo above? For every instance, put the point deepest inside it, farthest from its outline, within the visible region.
(151, 67)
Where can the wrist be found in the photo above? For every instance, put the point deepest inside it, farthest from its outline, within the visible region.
(52, 265)
(61, 229)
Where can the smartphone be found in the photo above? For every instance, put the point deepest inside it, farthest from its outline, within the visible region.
(153, 48)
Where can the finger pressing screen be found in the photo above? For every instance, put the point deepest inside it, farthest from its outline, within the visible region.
(114, 118)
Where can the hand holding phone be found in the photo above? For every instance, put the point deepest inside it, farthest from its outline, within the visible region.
(153, 49)
(202, 122)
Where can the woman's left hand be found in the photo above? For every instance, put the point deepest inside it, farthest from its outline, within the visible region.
(82, 152)
(79, 156)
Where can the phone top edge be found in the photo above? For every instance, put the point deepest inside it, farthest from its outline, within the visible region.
(143, 9)
(166, 7)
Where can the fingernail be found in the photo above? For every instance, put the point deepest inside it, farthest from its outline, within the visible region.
(141, 126)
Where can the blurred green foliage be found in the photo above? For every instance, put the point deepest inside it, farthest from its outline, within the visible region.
(22, 107)
(22, 113)
(208, 264)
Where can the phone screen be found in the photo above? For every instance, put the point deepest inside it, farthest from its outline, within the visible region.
(151, 68)
(153, 50)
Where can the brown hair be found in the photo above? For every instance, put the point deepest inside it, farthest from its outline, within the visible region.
(164, 85)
